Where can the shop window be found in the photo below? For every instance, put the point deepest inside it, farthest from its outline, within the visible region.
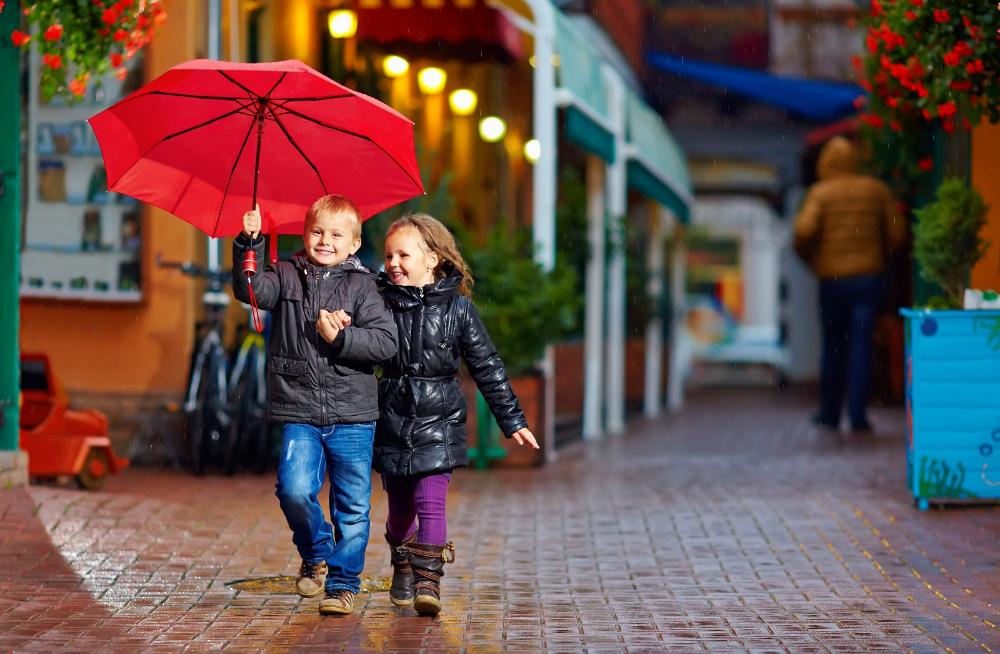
(80, 241)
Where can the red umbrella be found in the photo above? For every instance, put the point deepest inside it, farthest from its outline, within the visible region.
(207, 140)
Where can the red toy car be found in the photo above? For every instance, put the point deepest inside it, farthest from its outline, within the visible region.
(61, 441)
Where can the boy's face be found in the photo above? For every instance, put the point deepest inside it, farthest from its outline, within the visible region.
(329, 239)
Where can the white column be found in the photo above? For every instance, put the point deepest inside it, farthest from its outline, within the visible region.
(593, 328)
(544, 182)
(678, 271)
(656, 218)
(617, 209)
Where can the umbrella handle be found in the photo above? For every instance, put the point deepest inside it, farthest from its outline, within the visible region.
(250, 269)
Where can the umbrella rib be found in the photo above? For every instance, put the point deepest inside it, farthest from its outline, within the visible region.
(194, 96)
(200, 125)
(300, 151)
(356, 135)
(170, 136)
(314, 99)
(232, 171)
(253, 96)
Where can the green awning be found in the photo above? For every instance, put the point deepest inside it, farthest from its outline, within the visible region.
(657, 168)
(588, 134)
(584, 91)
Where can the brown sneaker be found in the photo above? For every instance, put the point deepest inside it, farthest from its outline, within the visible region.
(311, 578)
(337, 602)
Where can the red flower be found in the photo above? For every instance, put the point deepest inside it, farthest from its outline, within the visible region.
(917, 3)
(877, 8)
(860, 102)
(873, 120)
(120, 35)
(116, 59)
(892, 102)
(975, 66)
(857, 63)
(941, 16)
(871, 42)
(948, 125)
(78, 87)
(895, 126)
(928, 114)
(952, 58)
(964, 85)
(53, 61)
(963, 49)
(121, 73)
(19, 38)
(104, 31)
(926, 165)
(910, 15)
(141, 21)
(947, 109)
(110, 17)
(54, 32)
(2, 3)
(922, 91)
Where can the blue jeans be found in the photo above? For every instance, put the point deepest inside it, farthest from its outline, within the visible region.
(306, 453)
(848, 307)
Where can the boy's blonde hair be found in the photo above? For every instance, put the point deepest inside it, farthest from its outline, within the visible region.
(439, 240)
(335, 205)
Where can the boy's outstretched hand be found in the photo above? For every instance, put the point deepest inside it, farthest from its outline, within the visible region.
(251, 222)
(330, 323)
(524, 435)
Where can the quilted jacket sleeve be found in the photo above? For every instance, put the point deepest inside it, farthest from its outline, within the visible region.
(372, 337)
(266, 285)
(487, 370)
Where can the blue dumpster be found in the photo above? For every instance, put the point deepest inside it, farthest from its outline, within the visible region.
(952, 405)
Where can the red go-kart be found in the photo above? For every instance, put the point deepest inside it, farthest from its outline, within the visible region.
(61, 441)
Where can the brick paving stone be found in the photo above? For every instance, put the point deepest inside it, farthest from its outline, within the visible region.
(730, 527)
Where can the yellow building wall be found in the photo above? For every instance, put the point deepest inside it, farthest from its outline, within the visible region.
(133, 348)
(986, 179)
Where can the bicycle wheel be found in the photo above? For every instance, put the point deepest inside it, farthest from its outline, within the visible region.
(247, 437)
(207, 418)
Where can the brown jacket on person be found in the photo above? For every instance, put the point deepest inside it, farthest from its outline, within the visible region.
(848, 224)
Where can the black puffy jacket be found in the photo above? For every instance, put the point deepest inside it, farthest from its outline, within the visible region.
(422, 425)
(309, 380)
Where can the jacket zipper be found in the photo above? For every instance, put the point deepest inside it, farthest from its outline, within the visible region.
(319, 375)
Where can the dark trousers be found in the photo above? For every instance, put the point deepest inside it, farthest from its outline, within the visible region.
(847, 308)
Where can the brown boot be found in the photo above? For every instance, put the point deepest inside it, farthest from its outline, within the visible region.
(428, 568)
(401, 593)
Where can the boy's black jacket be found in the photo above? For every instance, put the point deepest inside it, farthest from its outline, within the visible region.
(309, 380)
(422, 425)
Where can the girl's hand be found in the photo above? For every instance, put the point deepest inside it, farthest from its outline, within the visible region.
(251, 222)
(327, 331)
(524, 435)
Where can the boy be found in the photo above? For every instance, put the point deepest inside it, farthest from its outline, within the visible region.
(329, 328)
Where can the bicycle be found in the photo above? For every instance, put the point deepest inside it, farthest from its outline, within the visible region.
(249, 430)
(225, 402)
(206, 398)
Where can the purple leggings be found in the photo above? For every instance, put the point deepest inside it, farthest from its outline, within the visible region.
(417, 504)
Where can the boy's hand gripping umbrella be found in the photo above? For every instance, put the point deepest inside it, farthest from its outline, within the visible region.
(207, 140)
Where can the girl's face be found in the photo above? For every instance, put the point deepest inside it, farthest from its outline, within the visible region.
(408, 261)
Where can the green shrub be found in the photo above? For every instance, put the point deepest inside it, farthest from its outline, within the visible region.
(946, 241)
(524, 307)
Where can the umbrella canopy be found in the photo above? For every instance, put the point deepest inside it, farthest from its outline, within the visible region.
(208, 139)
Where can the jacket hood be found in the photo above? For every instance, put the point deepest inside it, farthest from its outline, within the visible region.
(351, 264)
(838, 157)
(407, 297)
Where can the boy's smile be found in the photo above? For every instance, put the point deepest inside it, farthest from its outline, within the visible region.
(330, 239)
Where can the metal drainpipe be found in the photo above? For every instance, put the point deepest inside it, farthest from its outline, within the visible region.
(214, 52)
(10, 227)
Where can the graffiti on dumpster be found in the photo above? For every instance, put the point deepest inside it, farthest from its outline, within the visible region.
(938, 478)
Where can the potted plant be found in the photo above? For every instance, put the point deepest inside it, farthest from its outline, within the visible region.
(952, 360)
(525, 308)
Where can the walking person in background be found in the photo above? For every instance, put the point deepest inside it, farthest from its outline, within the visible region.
(330, 328)
(846, 230)
(420, 436)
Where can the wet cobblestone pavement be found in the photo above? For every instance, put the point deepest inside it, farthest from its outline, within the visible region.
(733, 526)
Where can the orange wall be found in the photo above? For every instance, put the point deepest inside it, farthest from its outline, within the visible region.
(986, 179)
(142, 347)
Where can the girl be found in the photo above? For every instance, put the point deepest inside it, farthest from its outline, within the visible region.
(420, 435)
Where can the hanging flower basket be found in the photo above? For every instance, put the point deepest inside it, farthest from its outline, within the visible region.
(81, 40)
(932, 60)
